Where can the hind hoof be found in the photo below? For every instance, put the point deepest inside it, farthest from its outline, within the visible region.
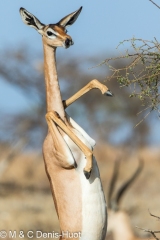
(87, 174)
(75, 164)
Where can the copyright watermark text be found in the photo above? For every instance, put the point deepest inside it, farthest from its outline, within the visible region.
(37, 234)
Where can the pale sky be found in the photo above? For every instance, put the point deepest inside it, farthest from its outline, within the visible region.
(99, 28)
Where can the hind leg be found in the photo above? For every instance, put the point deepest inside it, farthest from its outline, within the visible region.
(54, 120)
(60, 148)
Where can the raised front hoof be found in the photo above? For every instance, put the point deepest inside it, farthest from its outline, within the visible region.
(87, 174)
(109, 93)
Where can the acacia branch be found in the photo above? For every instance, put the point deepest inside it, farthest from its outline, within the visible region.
(154, 4)
(141, 73)
(152, 215)
(153, 233)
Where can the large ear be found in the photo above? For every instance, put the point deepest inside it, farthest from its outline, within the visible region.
(31, 20)
(70, 19)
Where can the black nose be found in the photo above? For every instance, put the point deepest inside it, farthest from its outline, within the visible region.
(68, 42)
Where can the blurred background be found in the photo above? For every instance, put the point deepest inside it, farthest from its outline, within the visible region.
(111, 122)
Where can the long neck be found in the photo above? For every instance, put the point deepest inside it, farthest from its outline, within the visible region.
(53, 95)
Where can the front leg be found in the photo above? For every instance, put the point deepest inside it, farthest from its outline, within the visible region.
(91, 85)
(54, 117)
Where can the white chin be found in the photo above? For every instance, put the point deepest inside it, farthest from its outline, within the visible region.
(65, 46)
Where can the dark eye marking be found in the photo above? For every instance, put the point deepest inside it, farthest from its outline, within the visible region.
(49, 33)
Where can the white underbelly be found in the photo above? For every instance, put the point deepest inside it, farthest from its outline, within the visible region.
(93, 206)
(94, 217)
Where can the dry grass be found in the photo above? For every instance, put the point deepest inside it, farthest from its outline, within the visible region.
(26, 201)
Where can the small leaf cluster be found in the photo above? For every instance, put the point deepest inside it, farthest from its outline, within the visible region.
(141, 71)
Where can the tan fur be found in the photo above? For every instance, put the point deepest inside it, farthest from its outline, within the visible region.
(119, 224)
(60, 154)
(53, 95)
(65, 182)
(65, 186)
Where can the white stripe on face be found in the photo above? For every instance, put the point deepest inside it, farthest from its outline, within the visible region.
(51, 33)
